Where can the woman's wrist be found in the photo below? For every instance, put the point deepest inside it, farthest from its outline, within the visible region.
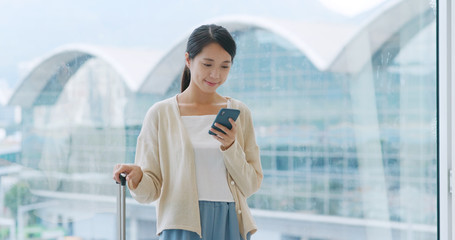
(224, 148)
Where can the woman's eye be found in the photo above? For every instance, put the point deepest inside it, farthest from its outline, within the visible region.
(225, 66)
(207, 65)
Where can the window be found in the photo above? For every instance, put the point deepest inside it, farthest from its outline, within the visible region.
(345, 109)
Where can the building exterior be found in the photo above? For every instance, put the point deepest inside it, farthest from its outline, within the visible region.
(345, 117)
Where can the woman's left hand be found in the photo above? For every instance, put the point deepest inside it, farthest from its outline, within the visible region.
(228, 138)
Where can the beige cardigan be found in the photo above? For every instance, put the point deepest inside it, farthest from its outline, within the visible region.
(166, 156)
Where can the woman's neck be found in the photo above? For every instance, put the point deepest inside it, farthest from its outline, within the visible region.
(194, 97)
(194, 103)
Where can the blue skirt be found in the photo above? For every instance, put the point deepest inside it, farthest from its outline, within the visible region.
(218, 222)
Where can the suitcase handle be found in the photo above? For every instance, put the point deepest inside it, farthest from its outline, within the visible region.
(121, 207)
(122, 177)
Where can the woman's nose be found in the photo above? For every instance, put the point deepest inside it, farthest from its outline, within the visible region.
(215, 73)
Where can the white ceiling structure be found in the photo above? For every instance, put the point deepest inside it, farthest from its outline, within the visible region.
(132, 65)
(333, 47)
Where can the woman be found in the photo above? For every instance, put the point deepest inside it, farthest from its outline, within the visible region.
(201, 181)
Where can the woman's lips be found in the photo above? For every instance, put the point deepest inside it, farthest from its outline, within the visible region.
(211, 84)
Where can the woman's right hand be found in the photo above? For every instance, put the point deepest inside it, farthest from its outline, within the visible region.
(133, 174)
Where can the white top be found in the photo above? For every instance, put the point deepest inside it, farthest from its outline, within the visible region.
(211, 176)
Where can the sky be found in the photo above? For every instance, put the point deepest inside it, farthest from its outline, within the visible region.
(30, 29)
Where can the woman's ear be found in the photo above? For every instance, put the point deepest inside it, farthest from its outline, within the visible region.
(187, 59)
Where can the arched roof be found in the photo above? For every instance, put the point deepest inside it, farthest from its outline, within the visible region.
(332, 47)
(131, 64)
(335, 47)
(376, 32)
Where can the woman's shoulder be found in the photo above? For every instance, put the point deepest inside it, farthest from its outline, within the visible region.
(161, 106)
(235, 103)
(244, 109)
(165, 103)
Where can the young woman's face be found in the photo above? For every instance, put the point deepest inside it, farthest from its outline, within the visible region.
(210, 68)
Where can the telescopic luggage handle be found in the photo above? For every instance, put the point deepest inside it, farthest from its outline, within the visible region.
(121, 207)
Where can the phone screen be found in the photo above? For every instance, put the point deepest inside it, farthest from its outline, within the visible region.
(223, 118)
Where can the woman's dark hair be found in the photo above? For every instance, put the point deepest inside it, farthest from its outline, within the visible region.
(203, 36)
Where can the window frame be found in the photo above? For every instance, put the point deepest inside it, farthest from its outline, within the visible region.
(446, 116)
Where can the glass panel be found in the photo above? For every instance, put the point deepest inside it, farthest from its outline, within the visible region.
(343, 102)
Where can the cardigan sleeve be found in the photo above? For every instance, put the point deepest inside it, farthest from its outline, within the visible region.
(147, 157)
(243, 162)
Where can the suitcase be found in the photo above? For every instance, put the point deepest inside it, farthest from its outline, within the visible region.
(121, 207)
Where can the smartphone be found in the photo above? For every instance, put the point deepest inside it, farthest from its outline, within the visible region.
(223, 118)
